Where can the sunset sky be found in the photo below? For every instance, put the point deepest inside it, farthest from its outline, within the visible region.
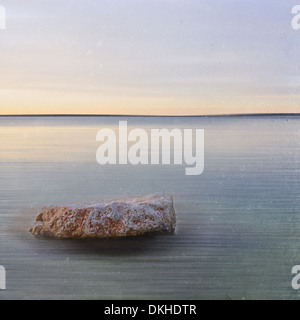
(163, 57)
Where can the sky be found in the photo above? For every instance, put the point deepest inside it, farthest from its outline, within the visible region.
(149, 57)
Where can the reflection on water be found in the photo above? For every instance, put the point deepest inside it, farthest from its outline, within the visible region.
(238, 224)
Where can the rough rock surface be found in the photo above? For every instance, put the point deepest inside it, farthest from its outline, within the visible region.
(113, 218)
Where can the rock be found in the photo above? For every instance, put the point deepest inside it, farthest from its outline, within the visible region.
(114, 218)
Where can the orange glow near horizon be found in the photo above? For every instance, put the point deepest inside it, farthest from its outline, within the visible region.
(43, 103)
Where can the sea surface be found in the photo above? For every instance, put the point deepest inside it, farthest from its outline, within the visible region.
(238, 223)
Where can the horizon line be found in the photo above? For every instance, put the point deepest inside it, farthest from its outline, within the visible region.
(155, 116)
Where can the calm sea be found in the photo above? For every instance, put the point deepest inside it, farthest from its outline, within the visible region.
(238, 224)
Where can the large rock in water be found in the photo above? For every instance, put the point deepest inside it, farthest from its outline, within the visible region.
(113, 218)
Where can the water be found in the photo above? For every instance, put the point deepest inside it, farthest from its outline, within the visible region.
(238, 224)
